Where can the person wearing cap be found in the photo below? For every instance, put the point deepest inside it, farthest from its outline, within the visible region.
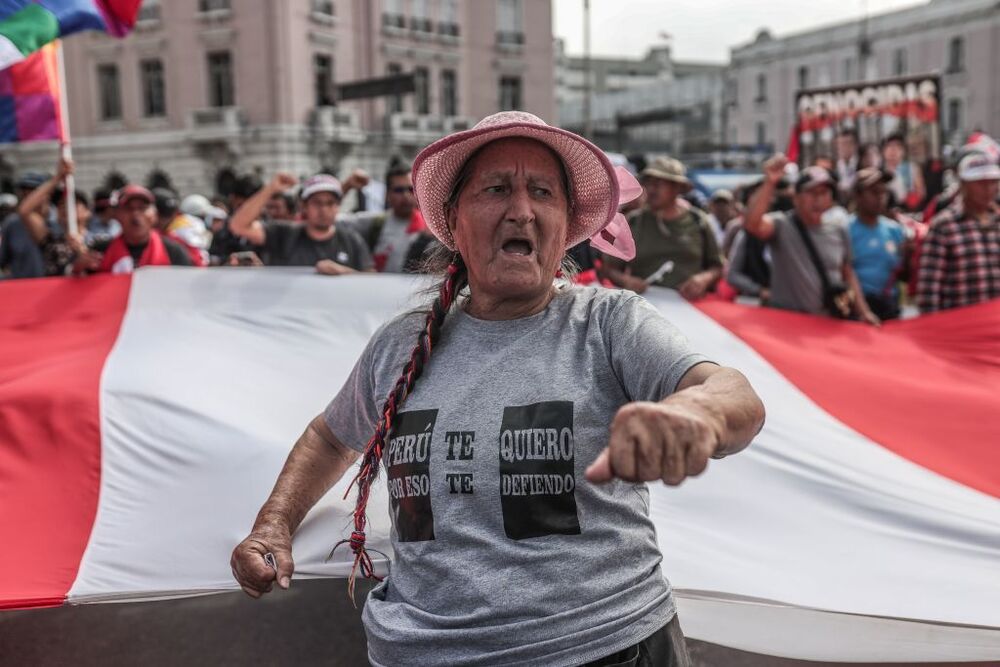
(796, 283)
(140, 243)
(721, 211)
(878, 243)
(960, 256)
(316, 241)
(507, 522)
(61, 252)
(675, 245)
(103, 226)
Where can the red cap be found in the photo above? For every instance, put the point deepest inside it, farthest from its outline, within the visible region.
(135, 192)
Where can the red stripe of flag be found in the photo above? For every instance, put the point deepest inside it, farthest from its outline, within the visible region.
(927, 389)
(55, 335)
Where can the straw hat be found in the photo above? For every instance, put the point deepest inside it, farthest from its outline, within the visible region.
(596, 188)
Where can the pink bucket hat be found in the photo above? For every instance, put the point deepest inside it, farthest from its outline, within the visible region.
(598, 188)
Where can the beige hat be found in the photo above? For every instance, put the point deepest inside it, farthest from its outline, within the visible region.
(668, 169)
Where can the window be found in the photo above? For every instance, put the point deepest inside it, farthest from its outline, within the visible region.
(154, 97)
(954, 123)
(449, 18)
(510, 93)
(394, 103)
(213, 5)
(108, 85)
(324, 7)
(393, 16)
(849, 69)
(421, 82)
(449, 93)
(761, 134)
(220, 79)
(899, 64)
(323, 79)
(421, 19)
(803, 77)
(149, 11)
(956, 55)
(510, 28)
(761, 88)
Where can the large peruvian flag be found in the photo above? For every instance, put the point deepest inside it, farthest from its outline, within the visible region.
(144, 419)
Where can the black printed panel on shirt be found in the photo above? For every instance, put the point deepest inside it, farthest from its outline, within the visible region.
(537, 478)
(407, 461)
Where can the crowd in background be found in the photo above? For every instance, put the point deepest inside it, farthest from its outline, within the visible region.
(867, 234)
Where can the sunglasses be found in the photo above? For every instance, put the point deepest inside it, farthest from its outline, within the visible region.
(402, 190)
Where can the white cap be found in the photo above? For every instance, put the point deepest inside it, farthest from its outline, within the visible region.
(196, 205)
(978, 167)
(321, 183)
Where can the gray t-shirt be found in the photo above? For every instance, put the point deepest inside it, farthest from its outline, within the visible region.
(795, 283)
(394, 238)
(504, 553)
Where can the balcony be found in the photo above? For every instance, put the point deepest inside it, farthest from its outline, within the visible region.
(422, 28)
(337, 125)
(418, 130)
(393, 25)
(448, 33)
(510, 41)
(215, 125)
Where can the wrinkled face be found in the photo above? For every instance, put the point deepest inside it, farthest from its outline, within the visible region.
(511, 220)
(661, 193)
(873, 199)
(137, 218)
(399, 195)
(276, 208)
(812, 204)
(321, 210)
(979, 195)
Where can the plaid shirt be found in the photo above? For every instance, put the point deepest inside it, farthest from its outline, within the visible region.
(959, 261)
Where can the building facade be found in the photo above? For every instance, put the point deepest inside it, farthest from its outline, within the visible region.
(204, 90)
(651, 104)
(957, 39)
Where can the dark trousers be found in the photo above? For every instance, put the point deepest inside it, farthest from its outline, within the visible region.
(663, 648)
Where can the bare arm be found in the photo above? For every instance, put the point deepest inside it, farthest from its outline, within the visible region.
(317, 462)
(861, 307)
(714, 412)
(617, 272)
(755, 220)
(33, 221)
(245, 221)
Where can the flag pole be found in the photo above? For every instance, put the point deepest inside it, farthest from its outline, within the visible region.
(66, 150)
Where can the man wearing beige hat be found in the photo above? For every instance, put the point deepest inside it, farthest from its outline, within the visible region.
(675, 246)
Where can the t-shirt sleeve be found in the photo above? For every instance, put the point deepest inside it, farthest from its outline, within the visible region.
(781, 226)
(648, 353)
(352, 414)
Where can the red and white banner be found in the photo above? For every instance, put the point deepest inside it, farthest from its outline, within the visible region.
(144, 419)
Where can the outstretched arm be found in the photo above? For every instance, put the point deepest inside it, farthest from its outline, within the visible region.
(714, 412)
(317, 462)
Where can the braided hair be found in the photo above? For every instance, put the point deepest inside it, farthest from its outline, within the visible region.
(455, 280)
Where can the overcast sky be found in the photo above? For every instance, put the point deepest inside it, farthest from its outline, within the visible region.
(700, 29)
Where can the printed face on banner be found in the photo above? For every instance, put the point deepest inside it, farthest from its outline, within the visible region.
(847, 122)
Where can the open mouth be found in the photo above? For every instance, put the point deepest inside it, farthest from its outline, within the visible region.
(521, 247)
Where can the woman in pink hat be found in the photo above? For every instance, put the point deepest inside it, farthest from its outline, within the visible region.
(517, 420)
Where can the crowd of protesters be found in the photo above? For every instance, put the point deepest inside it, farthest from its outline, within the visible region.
(857, 236)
